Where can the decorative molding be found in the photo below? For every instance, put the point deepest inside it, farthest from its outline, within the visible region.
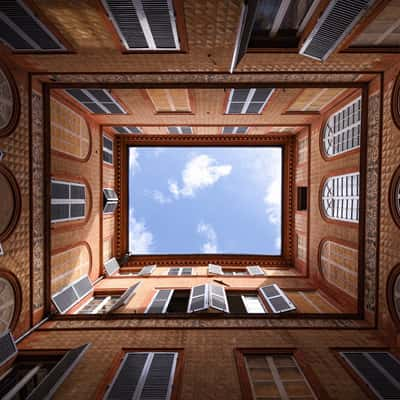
(7, 174)
(14, 118)
(394, 193)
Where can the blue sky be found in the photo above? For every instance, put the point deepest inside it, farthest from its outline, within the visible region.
(205, 200)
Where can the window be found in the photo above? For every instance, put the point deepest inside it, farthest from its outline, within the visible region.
(68, 200)
(72, 294)
(203, 297)
(248, 303)
(340, 197)
(107, 150)
(144, 375)
(342, 130)
(248, 101)
(234, 272)
(97, 101)
(22, 31)
(36, 377)
(127, 129)
(378, 369)
(276, 376)
(180, 129)
(235, 129)
(98, 305)
(170, 100)
(110, 201)
(214, 269)
(144, 24)
(302, 198)
(180, 271)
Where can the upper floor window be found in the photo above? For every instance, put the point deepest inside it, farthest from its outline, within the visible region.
(394, 199)
(340, 197)
(98, 305)
(107, 150)
(68, 201)
(248, 101)
(180, 271)
(342, 130)
(245, 302)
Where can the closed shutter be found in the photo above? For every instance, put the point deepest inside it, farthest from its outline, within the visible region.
(125, 297)
(160, 301)
(7, 347)
(198, 298)
(215, 269)
(173, 271)
(49, 385)
(144, 376)
(276, 299)
(218, 297)
(187, 271)
(148, 270)
(111, 266)
(255, 270)
(379, 370)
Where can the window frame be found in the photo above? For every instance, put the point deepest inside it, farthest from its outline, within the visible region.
(69, 201)
(107, 298)
(299, 357)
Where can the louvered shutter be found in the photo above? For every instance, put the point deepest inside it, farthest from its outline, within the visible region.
(276, 299)
(83, 286)
(65, 299)
(335, 23)
(379, 370)
(111, 266)
(173, 271)
(255, 270)
(125, 297)
(160, 376)
(49, 385)
(198, 298)
(160, 301)
(187, 271)
(215, 269)
(147, 270)
(127, 378)
(8, 348)
(217, 297)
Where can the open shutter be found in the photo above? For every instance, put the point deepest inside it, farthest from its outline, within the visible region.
(379, 370)
(8, 349)
(255, 270)
(215, 269)
(276, 299)
(126, 380)
(160, 301)
(125, 297)
(48, 386)
(198, 298)
(111, 266)
(217, 297)
(147, 270)
(83, 287)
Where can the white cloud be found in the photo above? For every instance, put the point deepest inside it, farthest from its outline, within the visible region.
(272, 200)
(160, 197)
(206, 230)
(133, 160)
(278, 242)
(200, 172)
(140, 238)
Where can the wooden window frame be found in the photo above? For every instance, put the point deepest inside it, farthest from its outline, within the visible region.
(299, 358)
(117, 363)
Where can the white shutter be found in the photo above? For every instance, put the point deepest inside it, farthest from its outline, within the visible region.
(111, 266)
(253, 304)
(215, 269)
(198, 298)
(255, 270)
(8, 349)
(160, 301)
(217, 297)
(276, 299)
(125, 297)
(147, 270)
(173, 271)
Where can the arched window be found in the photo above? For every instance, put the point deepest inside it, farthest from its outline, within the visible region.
(340, 197)
(342, 130)
(10, 301)
(395, 196)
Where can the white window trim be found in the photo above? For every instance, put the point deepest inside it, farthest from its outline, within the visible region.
(106, 150)
(248, 101)
(144, 23)
(333, 136)
(247, 306)
(71, 285)
(335, 191)
(144, 373)
(69, 201)
(166, 304)
(95, 310)
(367, 355)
